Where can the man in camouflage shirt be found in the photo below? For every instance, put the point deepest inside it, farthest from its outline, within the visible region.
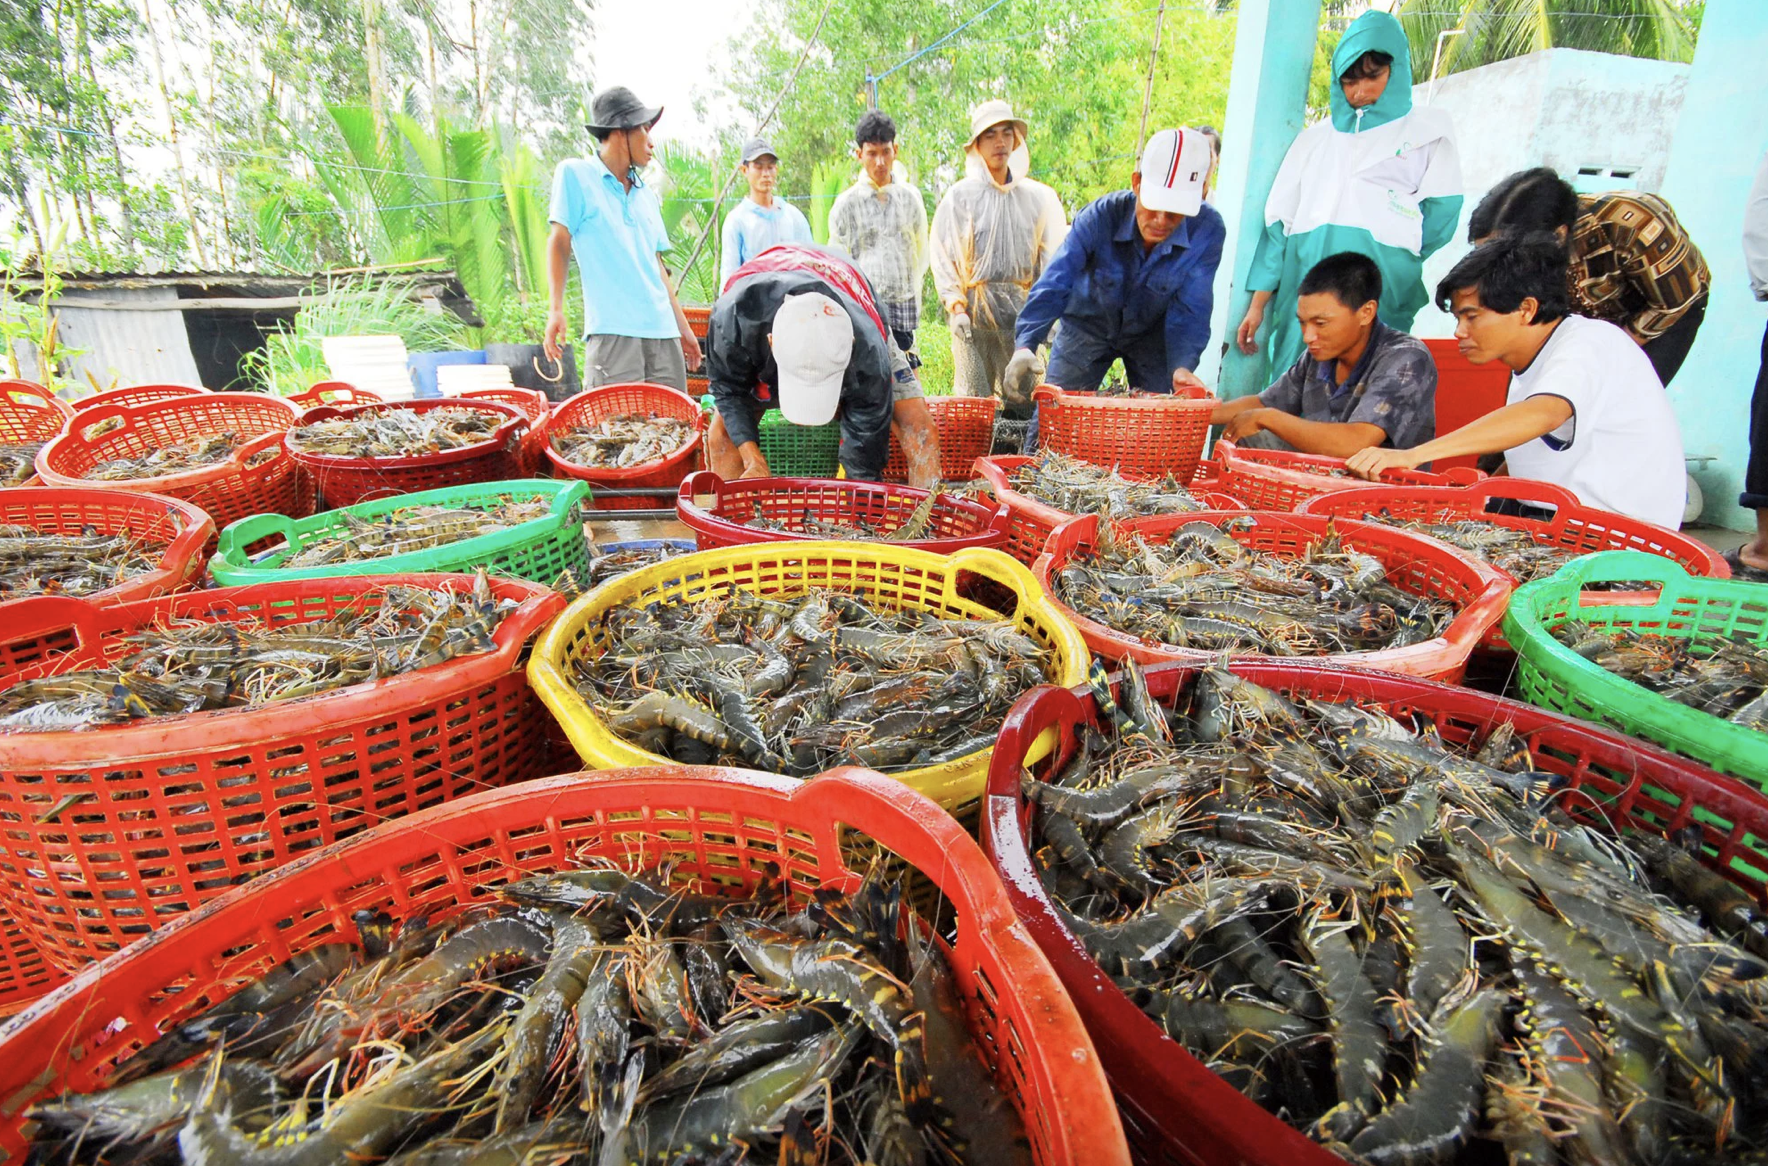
(1359, 384)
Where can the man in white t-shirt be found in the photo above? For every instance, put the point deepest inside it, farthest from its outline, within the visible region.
(1585, 409)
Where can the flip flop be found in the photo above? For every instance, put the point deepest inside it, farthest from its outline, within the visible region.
(1742, 570)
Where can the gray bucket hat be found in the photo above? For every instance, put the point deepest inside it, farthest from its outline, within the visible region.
(618, 108)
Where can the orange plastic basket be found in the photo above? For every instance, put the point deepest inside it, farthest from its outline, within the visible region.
(171, 811)
(532, 404)
(136, 395)
(1143, 435)
(726, 830)
(334, 393)
(345, 481)
(184, 529)
(1271, 479)
(260, 476)
(1422, 566)
(30, 413)
(1175, 1110)
(1574, 526)
(1029, 522)
(955, 523)
(593, 406)
(966, 432)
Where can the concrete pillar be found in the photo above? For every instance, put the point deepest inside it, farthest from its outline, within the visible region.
(1718, 144)
(1267, 99)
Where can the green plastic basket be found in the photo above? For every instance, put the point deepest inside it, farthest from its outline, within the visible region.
(1690, 607)
(799, 451)
(539, 550)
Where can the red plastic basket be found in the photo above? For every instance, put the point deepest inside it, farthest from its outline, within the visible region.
(728, 830)
(1029, 522)
(1422, 566)
(532, 404)
(225, 491)
(345, 481)
(966, 432)
(334, 393)
(29, 412)
(1174, 1109)
(184, 529)
(24, 973)
(175, 810)
(1574, 526)
(136, 395)
(955, 523)
(1140, 436)
(594, 406)
(1271, 479)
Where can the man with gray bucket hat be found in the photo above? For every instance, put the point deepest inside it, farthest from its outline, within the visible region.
(633, 327)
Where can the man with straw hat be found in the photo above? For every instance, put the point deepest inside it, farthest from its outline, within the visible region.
(633, 328)
(993, 235)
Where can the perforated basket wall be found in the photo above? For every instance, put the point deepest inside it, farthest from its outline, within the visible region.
(894, 577)
(345, 481)
(966, 432)
(259, 477)
(1698, 611)
(1269, 479)
(728, 831)
(1140, 436)
(799, 451)
(540, 550)
(184, 531)
(136, 395)
(106, 834)
(1177, 1112)
(24, 973)
(29, 414)
(593, 406)
(953, 524)
(531, 403)
(1418, 565)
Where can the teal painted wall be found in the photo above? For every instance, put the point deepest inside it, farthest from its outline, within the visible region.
(1719, 142)
(1267, 101)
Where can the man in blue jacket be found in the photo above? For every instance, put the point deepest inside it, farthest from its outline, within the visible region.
(1133, 279)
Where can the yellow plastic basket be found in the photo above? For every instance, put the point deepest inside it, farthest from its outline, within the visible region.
(953, 586)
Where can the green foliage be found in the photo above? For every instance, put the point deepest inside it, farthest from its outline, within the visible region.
(1496, 30)
(293, 360)
(29, 323)
(688, 185)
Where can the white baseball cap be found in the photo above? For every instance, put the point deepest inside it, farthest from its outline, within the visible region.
(812, 345)
(1174, 165)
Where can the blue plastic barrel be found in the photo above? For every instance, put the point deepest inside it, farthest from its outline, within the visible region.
(424, 365)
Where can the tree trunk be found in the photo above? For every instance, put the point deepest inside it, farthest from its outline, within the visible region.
(371, 42)
(159, 68)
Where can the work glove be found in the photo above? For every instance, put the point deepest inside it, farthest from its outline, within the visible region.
(1021, 377)
(961, 326)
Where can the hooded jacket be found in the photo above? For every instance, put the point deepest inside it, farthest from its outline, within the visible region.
(1384, 180)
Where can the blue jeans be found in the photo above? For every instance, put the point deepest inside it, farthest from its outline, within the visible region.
(1080, 359)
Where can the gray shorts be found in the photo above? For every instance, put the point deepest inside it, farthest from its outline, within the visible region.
(623, 360)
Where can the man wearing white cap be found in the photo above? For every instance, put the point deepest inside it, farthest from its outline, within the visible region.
(993, 235)
(1133, 280)
(798, 328)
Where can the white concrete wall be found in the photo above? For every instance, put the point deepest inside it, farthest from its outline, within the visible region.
(1565, 108)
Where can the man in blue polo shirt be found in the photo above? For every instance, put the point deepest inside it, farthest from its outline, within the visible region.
(1133, 280)
(634, 330)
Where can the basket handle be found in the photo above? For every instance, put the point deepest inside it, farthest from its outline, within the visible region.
(1463, 476)
(1616, 567)
(251, 449)
(188, 543)
(1046, 394)
(23, 391)
(1043, 708)
(997, 567)
(1530, 490)
(85, 421)
(42, 615)
(242, 533)
(699, 482)
(576, 494)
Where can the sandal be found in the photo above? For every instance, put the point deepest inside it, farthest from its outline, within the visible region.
(1742, 570)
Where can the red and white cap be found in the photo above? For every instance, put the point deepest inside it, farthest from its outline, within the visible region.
(1174, 165)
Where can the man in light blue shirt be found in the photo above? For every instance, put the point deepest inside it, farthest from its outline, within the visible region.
(633, 328)
(762, 220)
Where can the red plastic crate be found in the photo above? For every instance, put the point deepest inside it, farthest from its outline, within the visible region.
(1176, 1112)
(225, 491)
(726, 830)
(334, 393)
(1145, 436)
(1030, 522)
(29, 412)
(345, 481)
(955, 523)
(594, 406)
(1574, 526)
(136, 395)
(532, 404)
(966, 432)
(1271, 479)
(1421, 566)
(178, 809)
(184, 529)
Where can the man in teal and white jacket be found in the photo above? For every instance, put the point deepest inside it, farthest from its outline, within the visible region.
(1380, 177)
